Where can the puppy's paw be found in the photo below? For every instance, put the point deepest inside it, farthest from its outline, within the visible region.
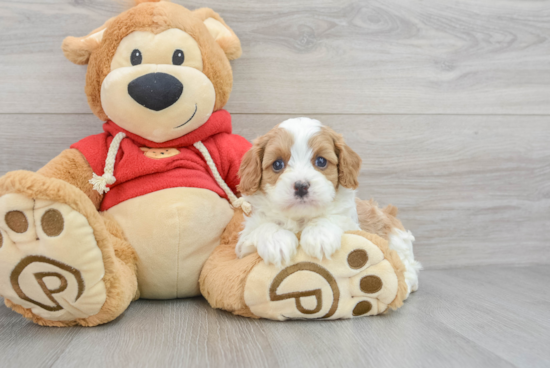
(321, 239)
(245, 246)
(277, 247)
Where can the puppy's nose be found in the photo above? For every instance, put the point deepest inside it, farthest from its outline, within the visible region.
(155, 91)
(300, 189)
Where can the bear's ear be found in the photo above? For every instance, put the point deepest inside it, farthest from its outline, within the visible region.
(79, 49)
(224, 36)
(137, 2)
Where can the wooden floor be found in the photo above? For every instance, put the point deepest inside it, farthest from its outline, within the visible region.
(448, 104)
(492, 316)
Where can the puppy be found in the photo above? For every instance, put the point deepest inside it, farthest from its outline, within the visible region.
(299, 177)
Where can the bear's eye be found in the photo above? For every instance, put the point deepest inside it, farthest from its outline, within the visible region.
(278, 165)
(321, 162)
(178, 57)
(136, 57)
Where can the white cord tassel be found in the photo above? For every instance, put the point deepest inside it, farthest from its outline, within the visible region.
(235, 202)
(100, 182)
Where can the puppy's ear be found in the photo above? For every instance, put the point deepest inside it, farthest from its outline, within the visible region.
(250, 171)
(79, 49)
(224, 36)
(349, 162)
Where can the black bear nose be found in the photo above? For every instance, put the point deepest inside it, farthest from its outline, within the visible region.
(155, 91)
(300, 189)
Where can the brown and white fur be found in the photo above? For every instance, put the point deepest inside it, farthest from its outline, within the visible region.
(328, 208)
(316, 200)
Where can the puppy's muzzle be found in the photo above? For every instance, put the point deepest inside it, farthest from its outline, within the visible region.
(301, 189)
(155, 91)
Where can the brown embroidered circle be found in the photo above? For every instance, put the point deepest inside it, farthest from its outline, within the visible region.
(1, 240)
(358, 258)
(39, 276)
(17, 221)
(370, 284)
(317, 293)
(362, 308)
(52, 222)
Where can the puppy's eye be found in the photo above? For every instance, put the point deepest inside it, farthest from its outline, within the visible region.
(178, 57)
(321, 162)
(278, 165)
(136, 57)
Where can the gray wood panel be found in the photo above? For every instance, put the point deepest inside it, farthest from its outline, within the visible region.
(458, 318)
(322, 56)
(474, 190)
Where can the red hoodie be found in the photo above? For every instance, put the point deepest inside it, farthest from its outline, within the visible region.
(137, 174)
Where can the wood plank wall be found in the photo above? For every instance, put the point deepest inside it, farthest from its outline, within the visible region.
(448, 103)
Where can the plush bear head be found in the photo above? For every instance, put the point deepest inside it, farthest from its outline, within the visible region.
(157, 70)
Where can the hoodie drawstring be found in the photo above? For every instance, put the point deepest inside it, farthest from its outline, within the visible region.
(235, 202)
(100, 182)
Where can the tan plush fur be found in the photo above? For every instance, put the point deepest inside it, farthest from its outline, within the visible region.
(230, 45)
(79, 49)
(120, 277)
(137, 2)
(223, 276)
(71, 166)
(155, 17)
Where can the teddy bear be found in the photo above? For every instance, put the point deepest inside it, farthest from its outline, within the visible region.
(150, 209)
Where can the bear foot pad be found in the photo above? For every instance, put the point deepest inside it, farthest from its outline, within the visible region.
(49, 259)
(356, 281)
